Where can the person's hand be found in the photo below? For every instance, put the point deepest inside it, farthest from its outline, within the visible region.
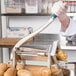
(59, 8)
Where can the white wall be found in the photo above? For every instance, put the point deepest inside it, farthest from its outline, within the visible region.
(35, 22)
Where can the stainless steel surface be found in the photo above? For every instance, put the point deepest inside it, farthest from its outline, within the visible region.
(43, 41)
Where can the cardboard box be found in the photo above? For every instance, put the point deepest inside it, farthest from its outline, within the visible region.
(17, 32)
(13, 10)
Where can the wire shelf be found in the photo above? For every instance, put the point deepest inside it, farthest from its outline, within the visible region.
(19, 6)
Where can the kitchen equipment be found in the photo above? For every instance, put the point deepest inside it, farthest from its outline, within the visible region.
(71, 40)
(30, 36)
(40, 49)
(13, 54)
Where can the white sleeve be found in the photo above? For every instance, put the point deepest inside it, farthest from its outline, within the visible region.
(71, 30)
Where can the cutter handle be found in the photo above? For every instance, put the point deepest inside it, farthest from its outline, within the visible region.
(54, 15)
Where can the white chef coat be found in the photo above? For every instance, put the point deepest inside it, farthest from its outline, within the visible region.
(71, 30)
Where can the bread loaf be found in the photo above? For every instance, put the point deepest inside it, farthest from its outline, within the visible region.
(24, 72)
(1, 73)
(56, 72)
(44, 71)
(20, 66)
(9, 65)
(10, 72)
(38, 70)
(66, 72)
(34, 69)
(3, 67)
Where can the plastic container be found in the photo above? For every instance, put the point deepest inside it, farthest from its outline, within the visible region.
(31, 6)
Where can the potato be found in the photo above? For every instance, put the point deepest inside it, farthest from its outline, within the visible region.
(3, 67)
(20, 66)
(24, 72)
(61, 55)
(10, 72)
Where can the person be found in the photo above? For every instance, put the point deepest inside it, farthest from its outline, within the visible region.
(67, 24)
